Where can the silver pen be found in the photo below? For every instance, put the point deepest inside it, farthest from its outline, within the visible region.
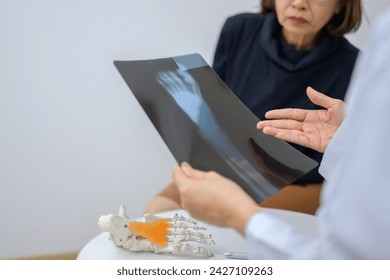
(236, 255)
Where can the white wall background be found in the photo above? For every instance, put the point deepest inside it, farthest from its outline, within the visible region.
(74, 143)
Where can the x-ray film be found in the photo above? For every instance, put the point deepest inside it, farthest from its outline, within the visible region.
(204, 123)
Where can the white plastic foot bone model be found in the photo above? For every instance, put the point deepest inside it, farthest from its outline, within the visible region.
(156, 234)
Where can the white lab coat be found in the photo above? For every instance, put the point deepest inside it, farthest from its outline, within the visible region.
(354, 218)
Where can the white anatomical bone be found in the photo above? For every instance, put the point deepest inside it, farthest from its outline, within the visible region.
(147, 235)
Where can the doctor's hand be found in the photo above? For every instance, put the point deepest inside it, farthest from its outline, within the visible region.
(210, 197)
(310, 128)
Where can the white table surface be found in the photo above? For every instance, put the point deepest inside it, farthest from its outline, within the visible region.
(226, 240)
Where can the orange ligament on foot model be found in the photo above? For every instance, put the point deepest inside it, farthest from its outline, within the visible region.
(156, 232)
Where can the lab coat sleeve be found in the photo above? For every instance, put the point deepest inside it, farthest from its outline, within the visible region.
(272, 237)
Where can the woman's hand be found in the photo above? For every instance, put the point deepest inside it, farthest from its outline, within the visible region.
(310, 128)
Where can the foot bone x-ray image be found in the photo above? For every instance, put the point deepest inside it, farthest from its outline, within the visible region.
(186, 92)
(202, 122)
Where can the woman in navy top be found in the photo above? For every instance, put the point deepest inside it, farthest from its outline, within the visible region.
(269, 59)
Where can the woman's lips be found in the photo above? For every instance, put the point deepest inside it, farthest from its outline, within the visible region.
(297, 20)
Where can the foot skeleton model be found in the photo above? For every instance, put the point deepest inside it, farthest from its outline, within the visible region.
(155, 234)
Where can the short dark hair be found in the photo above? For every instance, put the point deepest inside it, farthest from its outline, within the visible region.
(348, 19)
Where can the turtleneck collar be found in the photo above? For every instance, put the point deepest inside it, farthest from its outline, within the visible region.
(289, 58)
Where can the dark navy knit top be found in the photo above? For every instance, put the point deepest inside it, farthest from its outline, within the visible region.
(266, 73)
